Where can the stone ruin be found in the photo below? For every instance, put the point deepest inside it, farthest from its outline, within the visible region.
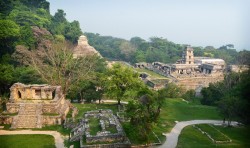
(191, 72)
(34, 106)
(106, 120)
(83, 48)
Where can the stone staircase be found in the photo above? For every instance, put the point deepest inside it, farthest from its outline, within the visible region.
(29, 116)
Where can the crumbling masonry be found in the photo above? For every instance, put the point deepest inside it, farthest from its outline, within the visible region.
(34, 106)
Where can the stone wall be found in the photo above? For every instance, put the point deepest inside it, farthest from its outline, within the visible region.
(19, 91)
(6, 119)
(107, 138)
(196, 82)
(12, 107)
(52, 120)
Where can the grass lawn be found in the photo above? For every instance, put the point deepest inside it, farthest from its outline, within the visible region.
(94, 126)
(149, 72)
(88, 107)
(111, 129)
(58, 128)
(134, 137)
(213, 132)
(191, 137)
(27, 141)
(178, 110)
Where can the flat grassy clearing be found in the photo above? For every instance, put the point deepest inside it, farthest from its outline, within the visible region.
(111, 129)
(213, 132)
(191, 137)
(27, 141)
(149, 72)
(178, 110)
(94, 126)
(88, 107)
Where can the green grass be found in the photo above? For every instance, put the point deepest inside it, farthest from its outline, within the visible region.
(94, 126)
(172, 110)
(149, 72)
(88, 107)
(112, 129)
(9, 114)
(178, 110)
(6, 126)
(133, 134)
(50, 114)
(27, 141)
(192, 138)
(58, 128)
(67, 143)
(213, 132)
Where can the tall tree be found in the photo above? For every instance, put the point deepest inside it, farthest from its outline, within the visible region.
(121, 82)
(56, 65)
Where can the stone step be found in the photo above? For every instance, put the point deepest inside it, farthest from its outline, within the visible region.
(28, 121)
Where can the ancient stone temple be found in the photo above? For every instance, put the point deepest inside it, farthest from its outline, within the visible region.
(83, 48)
(33, 106)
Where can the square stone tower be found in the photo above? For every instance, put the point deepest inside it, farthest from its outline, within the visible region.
(188, 55)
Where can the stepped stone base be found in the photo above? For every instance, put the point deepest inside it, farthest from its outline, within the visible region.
(46, 106)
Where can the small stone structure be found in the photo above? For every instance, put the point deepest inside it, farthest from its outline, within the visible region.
(106, 120)
(35, 105)
(83, 48)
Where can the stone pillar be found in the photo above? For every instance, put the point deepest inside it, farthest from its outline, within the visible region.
(59, 121)
(204, 70)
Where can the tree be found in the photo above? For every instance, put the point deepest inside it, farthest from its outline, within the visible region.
(73, 31)
(143, 112)
(120, 82)
(56, 65)
(189, 95)
(137, 41)
(9, 33)
(228, 107)
(172, 91)
(128, 50)
(6, 77)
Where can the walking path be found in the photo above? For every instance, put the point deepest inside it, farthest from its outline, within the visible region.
(172, 137)
(58, 138)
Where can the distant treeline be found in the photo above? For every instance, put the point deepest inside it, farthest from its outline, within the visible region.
(156, 49)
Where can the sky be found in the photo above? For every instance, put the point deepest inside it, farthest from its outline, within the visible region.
(195, 22)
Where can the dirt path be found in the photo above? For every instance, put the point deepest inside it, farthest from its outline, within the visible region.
(172, 137)
(58, 138)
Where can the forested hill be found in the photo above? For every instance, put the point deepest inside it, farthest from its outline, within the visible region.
(26, 24)
(17, 17)
(157, 49)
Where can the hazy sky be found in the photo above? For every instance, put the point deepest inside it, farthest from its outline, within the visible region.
(194, 22)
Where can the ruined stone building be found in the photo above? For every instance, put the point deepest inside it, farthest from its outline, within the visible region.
(83, 48)
(190, 72)
(33, 106)
(110, 132)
